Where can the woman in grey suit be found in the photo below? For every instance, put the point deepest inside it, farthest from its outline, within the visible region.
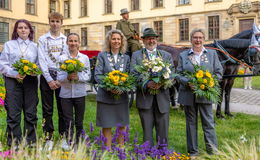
(112, 112)
(209, 59)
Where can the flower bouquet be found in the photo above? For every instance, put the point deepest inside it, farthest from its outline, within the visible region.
(158, 71)
(72, 66)
(205, 84)
(25, 67)
(117, 82)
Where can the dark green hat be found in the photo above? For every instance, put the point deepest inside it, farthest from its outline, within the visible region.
(149, 32)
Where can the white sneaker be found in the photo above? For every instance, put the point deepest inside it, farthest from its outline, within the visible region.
(49, 145)
(64, 145)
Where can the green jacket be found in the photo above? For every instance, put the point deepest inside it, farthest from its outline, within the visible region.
(127, 28)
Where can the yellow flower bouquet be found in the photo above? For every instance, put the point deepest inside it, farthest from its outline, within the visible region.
(117, 81)
(72, 66)
(205, 84)
(25, 67)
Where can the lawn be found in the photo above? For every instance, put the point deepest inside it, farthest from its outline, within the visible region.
(229, 129)
(239, 83)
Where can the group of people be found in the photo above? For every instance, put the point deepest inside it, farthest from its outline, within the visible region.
(22, 96)
(54, 48)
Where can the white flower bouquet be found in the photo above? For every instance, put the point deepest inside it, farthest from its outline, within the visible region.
(158, 71)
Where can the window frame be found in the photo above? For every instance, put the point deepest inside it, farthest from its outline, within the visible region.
(159, 32)
(156, 4)
(215, 28)
(133, 4)
(186, 2)
(185, 35)
(84, 7)
(84, 38)
(30, 5)
(108, 3)
(68, 13)
(3, 33)
(5, 6)
(105, 29)
(50, 4)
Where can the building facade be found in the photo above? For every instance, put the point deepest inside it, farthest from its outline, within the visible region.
(172, 19)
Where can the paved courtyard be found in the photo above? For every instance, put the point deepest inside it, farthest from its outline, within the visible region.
(245, 101)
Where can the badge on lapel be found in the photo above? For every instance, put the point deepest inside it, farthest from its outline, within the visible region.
(204, 58)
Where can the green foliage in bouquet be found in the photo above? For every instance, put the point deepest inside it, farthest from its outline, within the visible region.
(205, 84)
(156, 70)
(72, 66)
(25, 67)
(118, 81)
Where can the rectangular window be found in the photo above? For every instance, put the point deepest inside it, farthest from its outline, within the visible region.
(136, 27)
(30, 7)
(158, 28)
(135, 5)
(66, 9)
(52, 6)
(108, 6)
(107, 28)
(66, 32)
(84, 8)
(84, 36)
(4, 32)
(34, 35)
(4, 4)
(182, 2)
(213, 27)
(157, 3)
(184, 29)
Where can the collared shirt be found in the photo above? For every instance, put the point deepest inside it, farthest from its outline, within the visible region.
(198, 56)
(14, 50)
(74, 89)
(151, 54)
(49, 50)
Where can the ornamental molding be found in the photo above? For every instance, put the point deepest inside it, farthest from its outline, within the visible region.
(244, 7)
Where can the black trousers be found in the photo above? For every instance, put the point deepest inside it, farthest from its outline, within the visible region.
(151, 118)
(21, 97)
(78, 104)
(47, 95)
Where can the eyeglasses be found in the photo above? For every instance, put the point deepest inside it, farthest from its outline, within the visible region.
(199, 38)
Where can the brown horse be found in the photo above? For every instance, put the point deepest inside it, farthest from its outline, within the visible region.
(235, 47)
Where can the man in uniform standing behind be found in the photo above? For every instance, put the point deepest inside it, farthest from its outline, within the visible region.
(129, 32)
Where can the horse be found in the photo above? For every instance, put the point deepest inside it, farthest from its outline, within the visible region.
(233, 52)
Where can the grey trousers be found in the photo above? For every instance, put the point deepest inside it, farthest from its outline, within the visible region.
(151, 118)
(208, 127)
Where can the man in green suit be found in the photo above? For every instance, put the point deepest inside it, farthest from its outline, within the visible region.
(129, 32)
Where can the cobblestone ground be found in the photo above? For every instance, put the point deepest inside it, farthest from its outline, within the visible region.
(251, 97)
(245, 101)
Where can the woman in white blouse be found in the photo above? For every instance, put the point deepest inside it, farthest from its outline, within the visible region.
(73, 90)
(20, 96)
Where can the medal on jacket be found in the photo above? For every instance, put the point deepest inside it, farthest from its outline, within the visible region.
(116, 65)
